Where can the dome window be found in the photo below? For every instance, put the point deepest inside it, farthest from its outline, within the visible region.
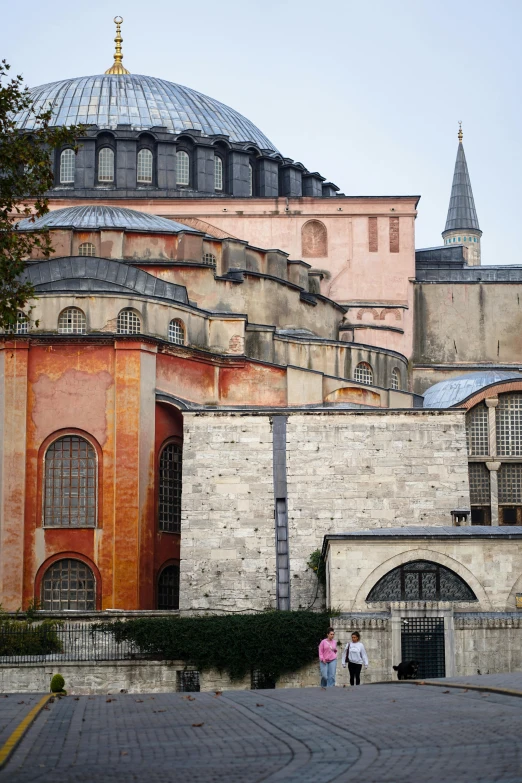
(106, 165)
(129, 322)
(72, 321)
(177, 332)
(67, 164)
(182, 168)
(210, 258)
(363, 373)
(395, 379)
(250, 180)
(218, 173)
(86, 249)
(144, 173)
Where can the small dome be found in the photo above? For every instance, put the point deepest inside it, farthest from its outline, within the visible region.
(141, 102)
(455, 390)
(94, 218)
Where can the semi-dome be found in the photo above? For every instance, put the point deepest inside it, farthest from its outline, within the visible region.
(142, 102)
(95, 218)
(454, 390)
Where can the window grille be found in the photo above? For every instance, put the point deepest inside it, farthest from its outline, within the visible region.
(363, 373)
(250, 180)
(218, 173)
(67, 164)
(187, 682)
(87, 249)
(477, 430)
(261, 680)
(395, 379)
(510, 483)
(72, 321)
(68, 584)
(182, 168)
(509, 425)
(144, 168)
(210, 258)
(21, 326)
(421, 580)
(177, 332)
(169, 501)
(129, 322)
(168, 588)
(106, 165)
(479, 484)
(70, 483)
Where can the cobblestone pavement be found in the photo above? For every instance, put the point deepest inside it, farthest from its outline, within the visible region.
(402, 733)
(13, 709)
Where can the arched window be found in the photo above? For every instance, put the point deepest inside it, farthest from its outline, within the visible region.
(421, 580)
(395, 379)
(106, 165)
(477, 430)
(70, 483)
(218, 173)
(363, 373)
(210, 258)
(87, 249)
(182, 168)
(509, 425)
(177, 332)
(168, 588)
(67, 163)
(314, 239)
(169, 500)
(250, 180)
(129, 322)
(144, 167)
(68, 584)
(21, 326)
(72, 321)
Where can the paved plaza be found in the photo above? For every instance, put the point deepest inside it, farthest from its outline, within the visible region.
(390, 733)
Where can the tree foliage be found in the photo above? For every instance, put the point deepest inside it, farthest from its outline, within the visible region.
(26, 174)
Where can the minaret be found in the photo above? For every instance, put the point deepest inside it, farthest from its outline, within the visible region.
(462, 226)
(117, 67)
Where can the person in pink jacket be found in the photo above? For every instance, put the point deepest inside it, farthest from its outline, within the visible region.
(328, 659)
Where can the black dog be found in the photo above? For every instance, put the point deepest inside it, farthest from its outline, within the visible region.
(407, 670)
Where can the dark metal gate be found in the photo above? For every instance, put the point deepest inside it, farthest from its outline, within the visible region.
(422, 640)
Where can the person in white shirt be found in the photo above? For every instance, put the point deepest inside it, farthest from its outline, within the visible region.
(355, 655)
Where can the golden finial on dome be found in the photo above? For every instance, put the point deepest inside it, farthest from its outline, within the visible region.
(117, 68)
(461, 135)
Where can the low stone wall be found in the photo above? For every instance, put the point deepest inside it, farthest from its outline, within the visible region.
(488, 644)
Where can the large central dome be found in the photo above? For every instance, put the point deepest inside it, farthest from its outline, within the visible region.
(142, 102)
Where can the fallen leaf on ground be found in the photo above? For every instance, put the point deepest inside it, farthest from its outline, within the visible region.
(109, 700)
(197, 725)
(218, 693)
(21, 702)
(189, 698)
(159, 710)
(124, 753)
(76, 698)
(260, 705)
(138, 701)
(445, 691)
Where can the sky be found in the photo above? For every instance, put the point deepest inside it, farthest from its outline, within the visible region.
(368, 93)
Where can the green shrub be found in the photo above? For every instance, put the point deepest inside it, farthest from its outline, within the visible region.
(57, 684)
(22, 637)
(272, 642)
(318, 566)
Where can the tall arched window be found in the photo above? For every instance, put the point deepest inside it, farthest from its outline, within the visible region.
(395, 379)
(106, 165)
(86, 249)
(67, 164)
(182, 168)
(72, 321)
(168, 588)
(68, 584)
(144, 167)
(218, 173)
(129, 322)
(250, 180)
(421, 580)
(169, 500)
(70, 490)
(509, 425)
(177, 332)
(363, 373)
(477, 430)
(314, 239)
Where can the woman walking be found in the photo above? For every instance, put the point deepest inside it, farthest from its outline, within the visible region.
(328, 659)
(355, 654)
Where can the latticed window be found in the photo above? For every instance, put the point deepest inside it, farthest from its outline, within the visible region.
(218, 173)
(182, 168)
(68, 584)
(187, 681)
(129, 322)
(87, 249)
(177, 332)
(144, 168)
(67, 163)
(421, 581)
(363, 373)
(510, 483)
(477, 430)
(250, 180)
(168, 588)
(70, 483)
(260, 680)
(509, 425)
(479, 484)
(106, 165)
(72, 321)
(169, 501)
(210, 258)
(395, 379)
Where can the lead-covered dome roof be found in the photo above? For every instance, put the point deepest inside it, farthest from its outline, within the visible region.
(454, 390)
(142, 102)
(98, 217)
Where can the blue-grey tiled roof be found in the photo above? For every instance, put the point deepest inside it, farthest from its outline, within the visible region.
(96, 217)
(455, 390)
(142, 102)
(461, 212)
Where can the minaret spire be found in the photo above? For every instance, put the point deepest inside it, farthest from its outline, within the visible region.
(117, 67)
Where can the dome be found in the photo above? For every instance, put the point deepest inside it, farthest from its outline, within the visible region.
(142, 102)
(94, 218)
(455, 390)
